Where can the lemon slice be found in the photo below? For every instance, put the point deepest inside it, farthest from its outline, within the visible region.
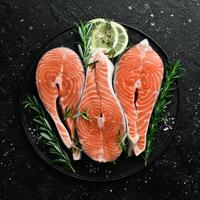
(103, 35)
(122, 38)
(108, 35)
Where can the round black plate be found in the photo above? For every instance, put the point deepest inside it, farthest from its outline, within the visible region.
(86, 168)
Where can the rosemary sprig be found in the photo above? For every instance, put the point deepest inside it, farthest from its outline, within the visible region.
(67, 113)
(84, 47)
(34, 105)
(111, 53)
(82, 114)
(92, 65)
(121, 141)
(171, 74)
(77, 144)
(48, 133)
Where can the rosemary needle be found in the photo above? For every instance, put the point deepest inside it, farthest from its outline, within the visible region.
(67, 113)
(83, 114)
(121, 141)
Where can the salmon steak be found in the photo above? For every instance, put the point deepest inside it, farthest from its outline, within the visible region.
(98, 135)
(60, 79)
(137, 81)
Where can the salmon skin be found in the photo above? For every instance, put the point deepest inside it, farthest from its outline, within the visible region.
(59, 80)
(137, 82)
(98, 135)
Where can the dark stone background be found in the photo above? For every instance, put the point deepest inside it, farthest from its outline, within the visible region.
(25, 26)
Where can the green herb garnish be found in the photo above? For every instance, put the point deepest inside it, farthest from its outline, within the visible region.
(67, 113)
(108, 37)
(111, 53)
(48, 133)
(121, 141)
(84, 47)
(92, 65)
(77, 144)
(83, 114)
(169, 84)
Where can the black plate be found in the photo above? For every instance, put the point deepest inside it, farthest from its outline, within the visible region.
(86, 168)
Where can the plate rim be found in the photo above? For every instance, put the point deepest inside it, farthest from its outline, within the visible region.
(67, 172)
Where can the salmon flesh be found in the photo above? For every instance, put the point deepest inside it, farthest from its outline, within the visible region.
(59, 79)
(137, 82)
(98, 134)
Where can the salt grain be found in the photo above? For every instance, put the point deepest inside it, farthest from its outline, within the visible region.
(146, 6)
(166, 129)
(30, 28)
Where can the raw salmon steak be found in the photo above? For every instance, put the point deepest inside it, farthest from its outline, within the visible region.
(60, 79)
(137, 83)
(98, 135)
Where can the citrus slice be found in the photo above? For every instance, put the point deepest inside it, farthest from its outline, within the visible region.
(122, 39)
(103, 35)
(108, 35)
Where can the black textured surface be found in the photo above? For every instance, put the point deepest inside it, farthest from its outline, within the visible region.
(25, 26)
